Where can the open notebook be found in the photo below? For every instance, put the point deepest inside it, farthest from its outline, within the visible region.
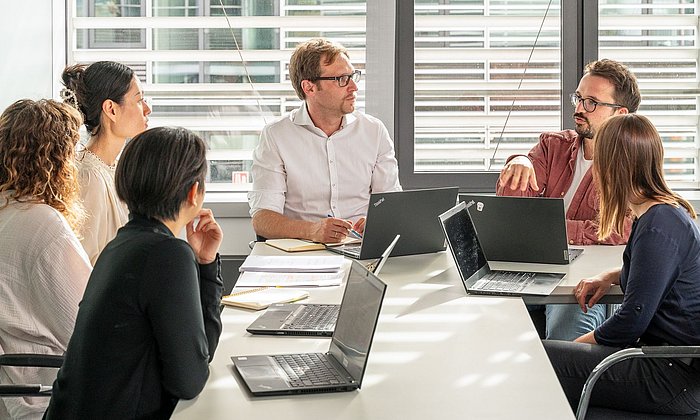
(262, 297)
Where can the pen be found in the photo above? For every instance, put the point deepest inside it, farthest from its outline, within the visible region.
(354, 233)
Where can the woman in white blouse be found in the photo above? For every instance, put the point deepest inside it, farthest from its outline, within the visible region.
(110, 97)
(44, 267)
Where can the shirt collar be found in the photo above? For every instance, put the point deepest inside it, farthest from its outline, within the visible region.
(140, 221)
(301, 117)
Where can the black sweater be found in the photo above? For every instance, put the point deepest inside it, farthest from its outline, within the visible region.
(146, 329)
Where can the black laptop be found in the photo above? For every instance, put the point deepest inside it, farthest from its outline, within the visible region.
(521, 229)
(411, 214)
(308, 319)
(474, 270)
(343, 366)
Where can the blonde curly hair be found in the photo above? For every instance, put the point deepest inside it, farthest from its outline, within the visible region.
(37, 156)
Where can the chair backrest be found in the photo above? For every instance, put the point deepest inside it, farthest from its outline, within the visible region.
(28, 360)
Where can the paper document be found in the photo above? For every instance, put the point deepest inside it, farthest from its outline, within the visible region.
(252, 279)
(292, 264)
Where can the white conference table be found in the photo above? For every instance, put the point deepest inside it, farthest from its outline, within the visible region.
(437, 353)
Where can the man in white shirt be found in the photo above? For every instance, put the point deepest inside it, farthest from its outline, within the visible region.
(314, 170)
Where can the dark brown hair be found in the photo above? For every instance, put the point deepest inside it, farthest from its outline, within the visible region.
(305, 63)
(94, 84)
(628, 166)
(626, 89)
(157, 169)
(37, 153)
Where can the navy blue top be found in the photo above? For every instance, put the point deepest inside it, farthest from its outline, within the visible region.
(146, 330)
(660, 279)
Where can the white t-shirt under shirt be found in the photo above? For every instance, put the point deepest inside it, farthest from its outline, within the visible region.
(42, 280)
(582, 166)
(302, 173)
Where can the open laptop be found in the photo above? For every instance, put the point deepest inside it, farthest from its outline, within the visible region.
(473, 268)
(308, 319)
(521, 229)
(412, 214)
(343, 366)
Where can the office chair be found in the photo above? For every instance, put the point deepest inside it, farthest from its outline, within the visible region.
(583, 411)
(30, 360)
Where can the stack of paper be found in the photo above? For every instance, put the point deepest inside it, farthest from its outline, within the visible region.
(284, 264)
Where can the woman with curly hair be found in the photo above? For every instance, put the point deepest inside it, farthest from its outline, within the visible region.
(109, 96)
(44, 267)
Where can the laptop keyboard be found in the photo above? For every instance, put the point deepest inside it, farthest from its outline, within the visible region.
(316, 317)
(353, 250)
(311, 369)
(505, 281)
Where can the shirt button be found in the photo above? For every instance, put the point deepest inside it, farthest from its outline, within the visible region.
(334, 185)
(562, 194)
(571, 242)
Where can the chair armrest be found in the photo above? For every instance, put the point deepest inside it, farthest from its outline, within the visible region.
(647, 352)
(30, 359)
(25, 391)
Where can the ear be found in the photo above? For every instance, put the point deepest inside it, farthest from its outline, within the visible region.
(109, 109)
(622, 110)
(308, 86)
(192, 194)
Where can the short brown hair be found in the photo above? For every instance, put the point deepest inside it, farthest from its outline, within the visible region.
(628, 163)
(37, 156)
(626, 89)
(157, 169)
(305, 63)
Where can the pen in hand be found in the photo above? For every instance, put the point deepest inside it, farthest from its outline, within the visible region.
(353, 232)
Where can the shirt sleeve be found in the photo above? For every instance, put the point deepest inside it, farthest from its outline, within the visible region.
(60, 275)
(385, 176)
(269, 177)
(538, 158)
(585, 232)
(653, 267)
(94, 196)
(182, 303)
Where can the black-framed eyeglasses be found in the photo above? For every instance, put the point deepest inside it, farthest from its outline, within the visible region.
(590, 104)
(344, 79)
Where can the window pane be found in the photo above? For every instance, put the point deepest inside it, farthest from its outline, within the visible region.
(657, 40)
(196, 76)
(487, 81)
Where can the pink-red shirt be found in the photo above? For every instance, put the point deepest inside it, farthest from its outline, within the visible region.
(554, 161)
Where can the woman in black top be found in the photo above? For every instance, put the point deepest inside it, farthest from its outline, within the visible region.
(149, 321)
(660, 278)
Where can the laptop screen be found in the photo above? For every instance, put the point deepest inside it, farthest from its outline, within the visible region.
(463, 241)
(357, 320)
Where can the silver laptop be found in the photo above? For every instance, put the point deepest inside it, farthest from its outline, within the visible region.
(343, 366)
(411, 214)
(308, 319)
(473, 268)
(521, 229)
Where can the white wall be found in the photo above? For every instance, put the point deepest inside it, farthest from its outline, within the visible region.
(26, 49)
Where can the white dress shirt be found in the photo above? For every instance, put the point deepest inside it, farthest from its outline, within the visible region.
(43, 274)
(302, 173)
(106, 213)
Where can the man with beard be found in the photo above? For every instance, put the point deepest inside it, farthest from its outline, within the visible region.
(559, 166)
(314, 170)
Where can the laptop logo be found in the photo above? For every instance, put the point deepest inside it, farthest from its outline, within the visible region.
(479, 206)
(378, 202)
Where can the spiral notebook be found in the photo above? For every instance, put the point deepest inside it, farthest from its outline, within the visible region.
(262, 297)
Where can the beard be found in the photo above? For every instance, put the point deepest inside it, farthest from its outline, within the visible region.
(584, 130)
